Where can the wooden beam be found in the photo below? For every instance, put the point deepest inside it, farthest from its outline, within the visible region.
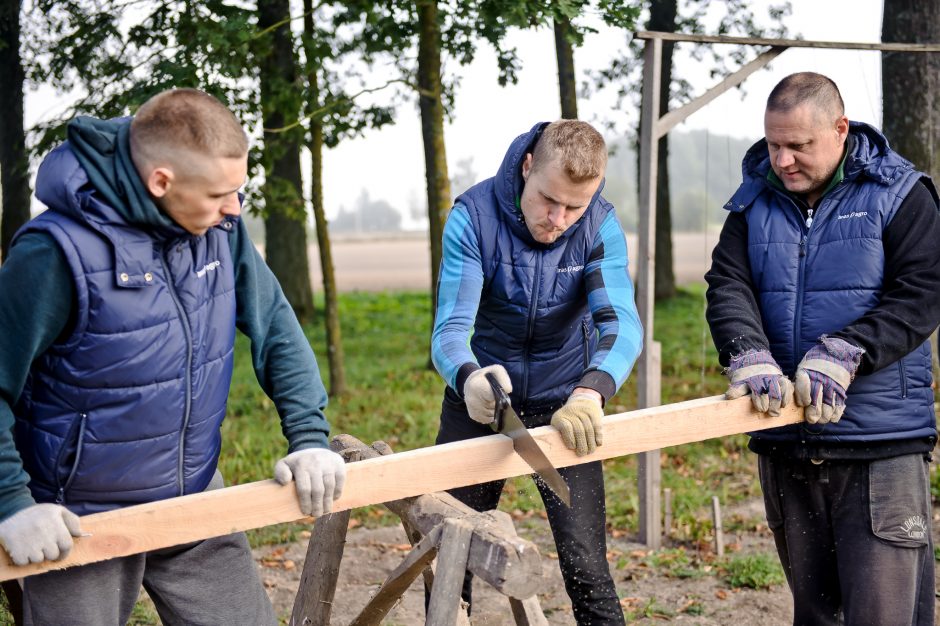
(648, 373)
(671, 119)
(788, 43)
(180, 520)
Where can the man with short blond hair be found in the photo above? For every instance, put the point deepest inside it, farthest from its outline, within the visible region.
(117, 328)
(823, 290)
(535, 269)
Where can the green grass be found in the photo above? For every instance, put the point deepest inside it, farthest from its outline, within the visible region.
(756, 571)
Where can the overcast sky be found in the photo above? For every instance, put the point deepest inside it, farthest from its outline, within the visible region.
(389, 163)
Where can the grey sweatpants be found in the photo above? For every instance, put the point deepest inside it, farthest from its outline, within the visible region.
(854, 539)
(211, 582)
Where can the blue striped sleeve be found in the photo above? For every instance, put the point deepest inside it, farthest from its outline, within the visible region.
(610, 299)
(458, 297)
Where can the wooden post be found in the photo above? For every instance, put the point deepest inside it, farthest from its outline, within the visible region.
(314, 601)
(667, 506)
(527, 612)
(399, 580)
(719, 532)
(451, 567)
(648, 367)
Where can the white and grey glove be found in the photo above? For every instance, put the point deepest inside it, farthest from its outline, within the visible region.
(477, 393)
(579, 422)
(319, 475)
(42, 532)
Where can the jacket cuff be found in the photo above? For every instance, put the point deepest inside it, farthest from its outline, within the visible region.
(601, 382)
(465, 370)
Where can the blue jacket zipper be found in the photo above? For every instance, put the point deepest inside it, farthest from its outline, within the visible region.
(530, 327)
(60, 494)
(184, 319)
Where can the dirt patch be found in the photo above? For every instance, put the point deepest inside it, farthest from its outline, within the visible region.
(649, 592)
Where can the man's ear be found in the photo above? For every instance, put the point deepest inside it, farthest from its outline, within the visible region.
(842, 127)
(526, 166)
(159, 181)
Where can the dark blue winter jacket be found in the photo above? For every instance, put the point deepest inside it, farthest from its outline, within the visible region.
(816, 280)
(554, 315)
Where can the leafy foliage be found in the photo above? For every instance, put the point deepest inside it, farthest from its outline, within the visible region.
(757, 571)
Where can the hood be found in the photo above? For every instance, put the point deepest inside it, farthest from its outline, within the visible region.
(95, 162)
(868, 155)
(508, 185)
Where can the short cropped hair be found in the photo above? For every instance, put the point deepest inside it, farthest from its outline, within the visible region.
(180, 121)
(807, 88)
(576, 146)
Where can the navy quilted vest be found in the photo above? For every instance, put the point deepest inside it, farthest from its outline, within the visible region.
(127, 409)
(533, 316)
(819, 279)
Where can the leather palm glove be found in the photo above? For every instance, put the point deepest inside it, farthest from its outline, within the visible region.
(756, 372)
(478, 395)
(42, 532)
(319, 475)
(822, 378)
(579, 422)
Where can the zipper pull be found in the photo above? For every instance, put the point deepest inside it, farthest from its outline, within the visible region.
(60, 496)
(803, 246)
(809, 218)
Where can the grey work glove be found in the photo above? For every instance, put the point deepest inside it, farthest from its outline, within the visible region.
(319, 475)
(579, 422)
(756, 372)
(477, 393)
(42, 532)
(822, 378)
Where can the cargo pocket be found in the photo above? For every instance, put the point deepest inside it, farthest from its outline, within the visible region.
(898, 500)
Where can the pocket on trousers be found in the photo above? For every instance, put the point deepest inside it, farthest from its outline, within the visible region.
(898, 500)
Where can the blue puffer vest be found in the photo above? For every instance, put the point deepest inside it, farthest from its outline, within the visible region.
(127, 408)
(533, 316)
(820, 279)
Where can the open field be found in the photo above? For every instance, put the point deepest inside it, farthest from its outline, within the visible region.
(402, 261)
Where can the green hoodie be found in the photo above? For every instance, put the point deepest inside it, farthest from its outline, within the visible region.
(37, 306)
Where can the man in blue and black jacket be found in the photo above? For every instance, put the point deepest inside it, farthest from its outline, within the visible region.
(828, 271)
(117, 326)
(535, 268)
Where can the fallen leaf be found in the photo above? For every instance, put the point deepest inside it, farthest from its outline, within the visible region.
(721, 594)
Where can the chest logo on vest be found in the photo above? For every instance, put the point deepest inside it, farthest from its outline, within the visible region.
(208, 267)
(571, 269)
(849, 216)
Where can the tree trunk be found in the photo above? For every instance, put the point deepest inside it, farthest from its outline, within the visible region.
(567, 88)
(334, 342)
(911, 83)
(432, 131)
(663, 18)
(14, 162)
(285, 221)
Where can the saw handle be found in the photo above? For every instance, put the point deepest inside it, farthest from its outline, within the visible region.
(502, 402)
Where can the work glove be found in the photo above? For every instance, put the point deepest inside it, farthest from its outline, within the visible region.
(477, 393)
(42, 532)
(319, 475)
(755, 372)
(822, 378)
(579, 422)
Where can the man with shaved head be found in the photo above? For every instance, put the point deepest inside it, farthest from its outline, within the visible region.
(823, 291)
(117, 326)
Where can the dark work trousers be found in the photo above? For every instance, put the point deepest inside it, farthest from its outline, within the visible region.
(854, 538)
(579, 532)
(207, 583)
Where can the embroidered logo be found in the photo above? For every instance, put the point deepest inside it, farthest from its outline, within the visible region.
(915, 526)
(208, 267)
(570, 269)
(849, 216)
